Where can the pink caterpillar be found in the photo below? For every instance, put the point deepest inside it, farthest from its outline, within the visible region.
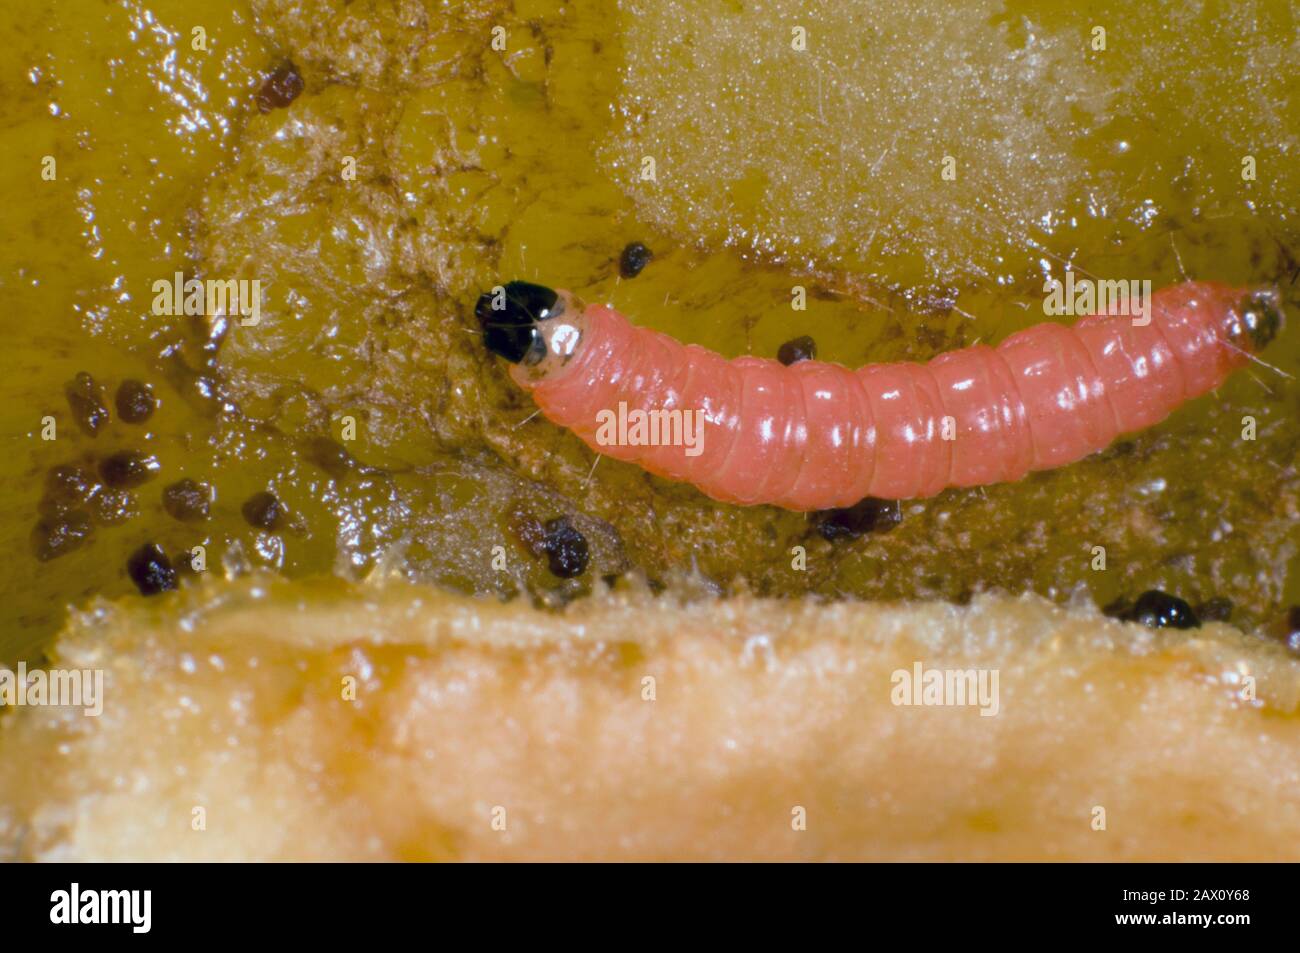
(816, 436)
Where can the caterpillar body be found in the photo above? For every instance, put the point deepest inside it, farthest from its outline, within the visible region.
(816, 435)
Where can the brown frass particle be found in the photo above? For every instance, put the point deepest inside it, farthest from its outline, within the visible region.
(279, 89)
(264, 510)
(57, 535)
(87, 403)
(187, 500)
(113, 506)
(529, 530)
(135, 401)
(151, 570)
(71, 483)
(797, 349)
(566, 548)
(68, 488)
(868, 516)
(633, 259)
(127, 469)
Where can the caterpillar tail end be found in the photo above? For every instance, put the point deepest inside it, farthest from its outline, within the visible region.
(509, 316)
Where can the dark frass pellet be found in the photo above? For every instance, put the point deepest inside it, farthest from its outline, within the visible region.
(87, 403)
(128, 469)
(56, 535)
(113, 506)
(151, 570)
(264, 510)
(633, 259)
(70, 483)
(869, 516)
(797, 349)
(566, 548)
(135, 401)
(187, 500)
(280, 88)
(1160, 610)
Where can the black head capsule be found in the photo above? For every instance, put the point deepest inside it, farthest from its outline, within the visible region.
(509, 314)
(1261, 317)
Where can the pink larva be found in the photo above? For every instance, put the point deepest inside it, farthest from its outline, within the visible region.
(816, 435)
